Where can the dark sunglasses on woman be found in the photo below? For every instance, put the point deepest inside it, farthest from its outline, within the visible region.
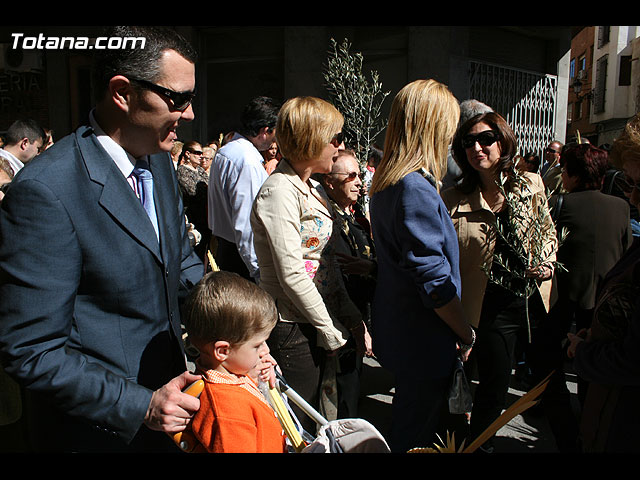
(485, 139)
(337, 139)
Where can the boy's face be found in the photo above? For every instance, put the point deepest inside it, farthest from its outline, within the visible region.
(244, 357)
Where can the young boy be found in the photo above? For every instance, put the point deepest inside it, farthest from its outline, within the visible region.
(228, 319)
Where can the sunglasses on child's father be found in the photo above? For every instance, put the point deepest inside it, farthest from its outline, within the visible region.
(180, 100)
(485, 139)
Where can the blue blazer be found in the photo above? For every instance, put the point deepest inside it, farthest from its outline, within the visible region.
(418, 270)
(89, 299)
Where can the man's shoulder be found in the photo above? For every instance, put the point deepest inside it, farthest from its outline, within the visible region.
(240, 151)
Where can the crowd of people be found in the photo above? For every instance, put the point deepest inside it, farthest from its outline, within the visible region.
(445, 245)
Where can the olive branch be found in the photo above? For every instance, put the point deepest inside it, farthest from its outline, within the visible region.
(357, 99)
(528, 233)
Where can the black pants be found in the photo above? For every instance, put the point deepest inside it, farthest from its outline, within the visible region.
(228, 258)
(503, 319)
(348, 380)
(417, 410)
(294, 347)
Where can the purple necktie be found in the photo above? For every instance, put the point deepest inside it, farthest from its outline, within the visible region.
(145, 184)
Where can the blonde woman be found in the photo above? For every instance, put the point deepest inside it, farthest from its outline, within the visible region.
(292, 224)
(417, 319)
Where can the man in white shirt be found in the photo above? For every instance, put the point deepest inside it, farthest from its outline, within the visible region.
(23, 141)
(236, 175)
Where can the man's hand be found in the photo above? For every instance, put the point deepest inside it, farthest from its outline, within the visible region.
(171, 410)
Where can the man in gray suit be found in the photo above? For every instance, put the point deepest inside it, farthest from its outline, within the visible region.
(93, 263)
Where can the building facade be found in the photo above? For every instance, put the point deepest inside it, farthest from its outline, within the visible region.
(615, 80)
(522, 71)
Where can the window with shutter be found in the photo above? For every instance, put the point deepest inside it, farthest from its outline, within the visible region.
(603, 35)
(601, 80)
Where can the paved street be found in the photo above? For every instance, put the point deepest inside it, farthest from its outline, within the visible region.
(526, 433)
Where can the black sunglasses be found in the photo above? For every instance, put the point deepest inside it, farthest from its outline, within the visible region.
(194, 152)
(350, 175)
(180, 100)
(337, 139)
(485, 139)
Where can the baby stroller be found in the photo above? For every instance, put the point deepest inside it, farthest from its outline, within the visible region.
(352, 435)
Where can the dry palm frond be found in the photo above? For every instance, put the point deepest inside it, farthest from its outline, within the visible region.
(525, 402)
(448, 447)
(528, 400)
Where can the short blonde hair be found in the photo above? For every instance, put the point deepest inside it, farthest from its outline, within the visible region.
(423, 119)
(305, 125)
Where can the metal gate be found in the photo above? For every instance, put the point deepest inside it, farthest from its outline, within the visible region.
(526, 100)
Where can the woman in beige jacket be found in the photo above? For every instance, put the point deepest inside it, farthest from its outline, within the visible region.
(292, 225)
(484, 148)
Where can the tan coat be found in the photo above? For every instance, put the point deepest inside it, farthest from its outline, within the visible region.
(291, 227)
(475, 224)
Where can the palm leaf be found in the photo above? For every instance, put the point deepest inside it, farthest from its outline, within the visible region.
(528, 400)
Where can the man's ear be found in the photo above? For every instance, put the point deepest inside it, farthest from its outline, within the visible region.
(327, 184)
(120, 91)
(221, 350)
(24, 143)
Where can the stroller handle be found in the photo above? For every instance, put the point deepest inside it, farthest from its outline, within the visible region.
(299, 401)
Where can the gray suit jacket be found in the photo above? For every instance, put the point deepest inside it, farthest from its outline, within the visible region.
(89, 299)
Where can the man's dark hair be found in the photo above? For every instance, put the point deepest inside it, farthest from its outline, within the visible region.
(26, 128)
(137, 62)
(258, 113)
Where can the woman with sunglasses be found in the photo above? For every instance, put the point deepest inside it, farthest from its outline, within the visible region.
(484, 148)
(292, 224)
(417, 320)
(193, 181)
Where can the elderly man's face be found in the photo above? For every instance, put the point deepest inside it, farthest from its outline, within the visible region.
(153, 118)
(344, 182)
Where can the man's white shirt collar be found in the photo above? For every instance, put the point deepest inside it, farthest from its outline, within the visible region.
(123, 159)
(14, 162)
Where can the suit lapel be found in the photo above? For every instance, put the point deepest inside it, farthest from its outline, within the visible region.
(117, 197)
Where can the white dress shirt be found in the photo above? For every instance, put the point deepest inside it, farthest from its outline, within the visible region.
(235, 178)
(123, 159)
(14, 162)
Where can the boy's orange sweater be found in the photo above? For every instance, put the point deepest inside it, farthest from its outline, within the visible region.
(234, 417)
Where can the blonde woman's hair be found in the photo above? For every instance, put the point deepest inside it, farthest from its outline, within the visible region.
(627, 146)
(423, 119)
(305, 125)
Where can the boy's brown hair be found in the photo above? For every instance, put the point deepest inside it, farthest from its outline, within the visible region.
(225, 306)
